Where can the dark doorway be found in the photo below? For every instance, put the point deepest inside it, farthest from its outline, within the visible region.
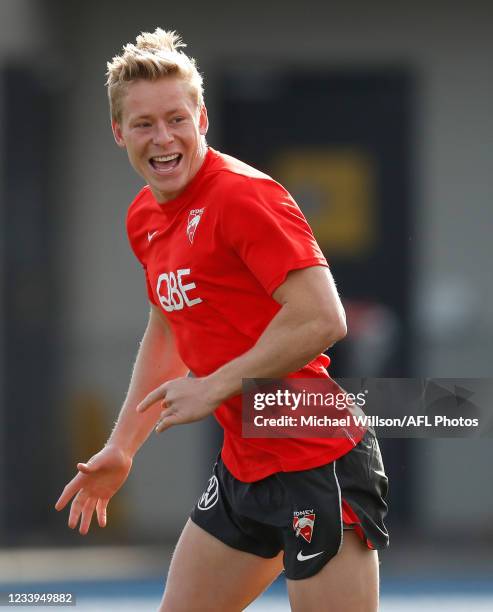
(341, 142)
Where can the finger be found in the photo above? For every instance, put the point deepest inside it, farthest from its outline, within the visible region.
(101, 511)
(93, 465)
(87, 512)
(152, 398)
(167, 422)
(68, 492)
(167, 412)
(87, 468)
(84, 468)
(76, 509)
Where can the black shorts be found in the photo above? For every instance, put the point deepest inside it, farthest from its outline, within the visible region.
(302, 513)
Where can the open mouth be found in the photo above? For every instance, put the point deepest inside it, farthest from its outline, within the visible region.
(165, 163)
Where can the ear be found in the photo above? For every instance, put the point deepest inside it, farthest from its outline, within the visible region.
(203, 121)
(117, 134)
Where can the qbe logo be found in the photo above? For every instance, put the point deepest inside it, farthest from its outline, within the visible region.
(174, 291)
(210, 496)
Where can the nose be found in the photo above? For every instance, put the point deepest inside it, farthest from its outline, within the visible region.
(161, 134)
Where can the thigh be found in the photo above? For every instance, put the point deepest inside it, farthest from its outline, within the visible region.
(206, 575)
(348, 582)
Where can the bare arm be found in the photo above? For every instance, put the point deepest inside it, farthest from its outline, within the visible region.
(310, 320)
(101, 477)
(157, 361)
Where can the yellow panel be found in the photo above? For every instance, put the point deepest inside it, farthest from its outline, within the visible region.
(336, 191)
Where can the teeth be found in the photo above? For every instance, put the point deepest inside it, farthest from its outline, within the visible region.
(166, 158)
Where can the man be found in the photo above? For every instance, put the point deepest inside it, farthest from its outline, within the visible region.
(238, 289)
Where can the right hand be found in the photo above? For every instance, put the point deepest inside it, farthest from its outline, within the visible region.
(93, 487)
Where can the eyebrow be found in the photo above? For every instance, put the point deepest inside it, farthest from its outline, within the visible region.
(176, 110)
(139, 117)
(148, 116)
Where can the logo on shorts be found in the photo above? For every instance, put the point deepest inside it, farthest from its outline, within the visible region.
(193, 220)
(301, 557)
(210, 496)
(303, 523)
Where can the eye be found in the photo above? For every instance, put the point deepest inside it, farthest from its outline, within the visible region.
(178, 119)
(142, 124)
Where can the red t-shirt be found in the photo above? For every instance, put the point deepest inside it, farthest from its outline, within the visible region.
(212, 258)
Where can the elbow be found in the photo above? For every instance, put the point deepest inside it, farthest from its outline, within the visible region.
(333, 329)
(340, 330)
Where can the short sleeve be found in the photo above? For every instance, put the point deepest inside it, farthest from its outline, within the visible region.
(268, 231)
(150, 293)
(136, 235)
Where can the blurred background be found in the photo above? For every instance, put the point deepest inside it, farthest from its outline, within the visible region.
(378, 118)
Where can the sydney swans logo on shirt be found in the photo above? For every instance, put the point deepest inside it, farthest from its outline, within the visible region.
(193, 221)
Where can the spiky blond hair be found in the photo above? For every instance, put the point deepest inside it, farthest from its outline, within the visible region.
(153, 56)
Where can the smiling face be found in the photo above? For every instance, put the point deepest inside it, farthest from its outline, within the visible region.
(163, 130)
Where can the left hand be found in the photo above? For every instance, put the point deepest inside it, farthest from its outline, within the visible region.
(184, 400)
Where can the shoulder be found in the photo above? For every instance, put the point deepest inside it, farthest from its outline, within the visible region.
(241, 183)
(233, 167)
(137, 217)
(140, 205)
(139, 213)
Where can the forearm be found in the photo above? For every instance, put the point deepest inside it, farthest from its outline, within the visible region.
(157, 361)
(290, 341)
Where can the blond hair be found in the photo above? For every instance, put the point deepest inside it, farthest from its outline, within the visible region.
(153, 56)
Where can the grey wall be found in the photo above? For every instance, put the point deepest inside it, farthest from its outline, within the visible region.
(105, 304)
(24, 32)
